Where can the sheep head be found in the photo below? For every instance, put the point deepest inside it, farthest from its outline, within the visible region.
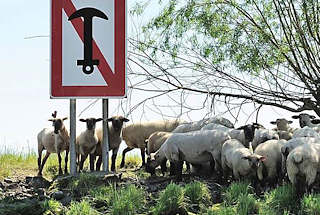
(249, 130)
(254, 160)
(91, 122)
(117, 122)
(282, 124)
(58, 124)
(304, 119)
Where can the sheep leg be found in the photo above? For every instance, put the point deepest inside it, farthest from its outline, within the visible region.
(163, 166)
(39, 161)
(172, 169)
(179, 167)
(188, 166)
(59, 159)
(113, 159)
(43, 163)
(98, 164)
(143, 156)
(66, 162)
(92, 159)
(124, 155)
(83, 158)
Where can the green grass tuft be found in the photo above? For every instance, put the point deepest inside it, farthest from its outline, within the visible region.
(280, 200)
(81, 208)
(52, 207)
(171, 200)
(246, 204)
(236, 190)
(221, 210)
(310, 204)
(197, 193)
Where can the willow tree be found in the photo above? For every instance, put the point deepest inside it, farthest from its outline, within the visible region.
(264, 52)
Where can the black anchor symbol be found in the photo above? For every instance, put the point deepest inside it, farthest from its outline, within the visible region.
(87, 14)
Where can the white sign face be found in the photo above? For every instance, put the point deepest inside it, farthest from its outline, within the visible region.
(88, 48)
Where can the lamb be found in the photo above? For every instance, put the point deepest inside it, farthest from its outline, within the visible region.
(53, 141)
(303, 163)
(114, 134)
(287, 147)
(271, 169)
(86, 142)
(214, 126)
(241, 160)
(135, 135)
(196, 147)
(282, 125)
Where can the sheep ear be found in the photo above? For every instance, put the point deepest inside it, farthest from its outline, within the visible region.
(315, 121)
(273, 122)
(109, 119)
(82, 120)
(125, 120)
(51, 120)
(240, 128)
(289, 122)
(312, 117)
(99, 119)
(262, 159)
(295, 117)
(65, 118)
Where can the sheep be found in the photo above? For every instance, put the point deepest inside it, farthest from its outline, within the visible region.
(271, 169)
(303, 163)
(87, 141)
(287, 147)
(53, 141)
(306, 131)
(214, 126)
(284, 135)
(262, 135)
(196, 147)
(114, 134)
(241, 160)
(135, 135)
(154, 142)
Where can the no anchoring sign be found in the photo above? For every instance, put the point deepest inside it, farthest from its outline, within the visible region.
(88, 48)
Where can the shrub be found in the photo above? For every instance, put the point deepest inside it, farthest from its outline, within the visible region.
(197, 193)
(279, 200)
(81, 208)
(171, 200)
(310, 204)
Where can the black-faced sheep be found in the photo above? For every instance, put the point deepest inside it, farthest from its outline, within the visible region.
(54, 140)
(114, 134)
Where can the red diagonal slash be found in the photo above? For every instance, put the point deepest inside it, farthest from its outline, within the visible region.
(103, 66)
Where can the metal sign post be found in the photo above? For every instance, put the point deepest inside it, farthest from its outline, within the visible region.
(105, 140)
(73, 166)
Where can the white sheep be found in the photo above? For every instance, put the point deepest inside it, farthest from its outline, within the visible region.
(114, 134)
(136, 134)
(262, 135)
(86, 142)
(271, 169)
(196, 147)
(239, 159)
(306, 131)
(215, 126)
(303, 164)
(53, 140)
(282, 125)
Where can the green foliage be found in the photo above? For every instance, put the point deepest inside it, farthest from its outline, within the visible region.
(103, 196)
(84, 183)
(310, 204)
(236, 191)
(81, 208)
(220, 210)
(246, 205)
(52, 207)
(279, 200)
(170, 201)
(197, 193)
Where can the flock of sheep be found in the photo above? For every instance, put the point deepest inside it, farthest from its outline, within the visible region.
(250, 151)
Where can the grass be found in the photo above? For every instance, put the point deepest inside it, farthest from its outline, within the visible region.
(236, 191)
(310, 204)
(52, 207)
(81, 208)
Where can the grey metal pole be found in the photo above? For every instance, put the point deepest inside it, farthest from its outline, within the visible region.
(105, 144)
(73, 167)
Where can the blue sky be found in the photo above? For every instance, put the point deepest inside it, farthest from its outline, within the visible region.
(24, 85)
